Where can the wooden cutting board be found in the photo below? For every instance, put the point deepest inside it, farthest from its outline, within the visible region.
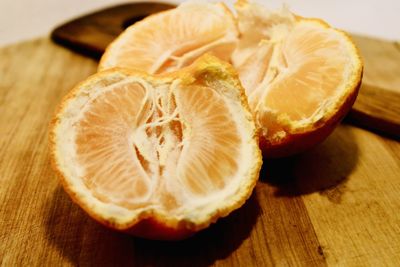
(337, 205)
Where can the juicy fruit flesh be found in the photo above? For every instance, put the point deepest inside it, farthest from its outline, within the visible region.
(294, 77)
(173, 39)
(310, 72)
(144, 146)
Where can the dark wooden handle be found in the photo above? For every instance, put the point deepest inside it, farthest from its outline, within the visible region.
(90, 34)
(375, 109)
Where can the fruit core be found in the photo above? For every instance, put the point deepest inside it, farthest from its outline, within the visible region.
(146, 145)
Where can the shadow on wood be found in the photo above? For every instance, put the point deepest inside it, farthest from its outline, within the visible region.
(82, 241)
(323, 169)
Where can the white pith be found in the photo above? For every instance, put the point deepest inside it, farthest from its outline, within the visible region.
(181, 61)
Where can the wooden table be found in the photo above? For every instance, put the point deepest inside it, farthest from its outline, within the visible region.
(337, 205)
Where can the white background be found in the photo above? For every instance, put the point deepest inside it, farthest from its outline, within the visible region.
(25, 19)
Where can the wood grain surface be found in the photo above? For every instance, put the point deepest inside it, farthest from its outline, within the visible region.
(377, 107)
(336, 205)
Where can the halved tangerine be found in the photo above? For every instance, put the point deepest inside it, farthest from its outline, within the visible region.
(301, 76)
(158, 157)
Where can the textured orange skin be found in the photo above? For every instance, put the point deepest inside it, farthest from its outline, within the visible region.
(297, 143)
(151, 229)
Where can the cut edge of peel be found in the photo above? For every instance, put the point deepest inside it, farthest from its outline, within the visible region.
(301, 141)
(206, 65)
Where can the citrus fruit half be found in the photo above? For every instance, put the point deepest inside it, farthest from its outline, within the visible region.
(301, 76)
(160, 157)
(173, 39)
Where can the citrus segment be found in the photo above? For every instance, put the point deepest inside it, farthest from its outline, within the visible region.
(173, 39)
(213, 143)
(178, 151)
